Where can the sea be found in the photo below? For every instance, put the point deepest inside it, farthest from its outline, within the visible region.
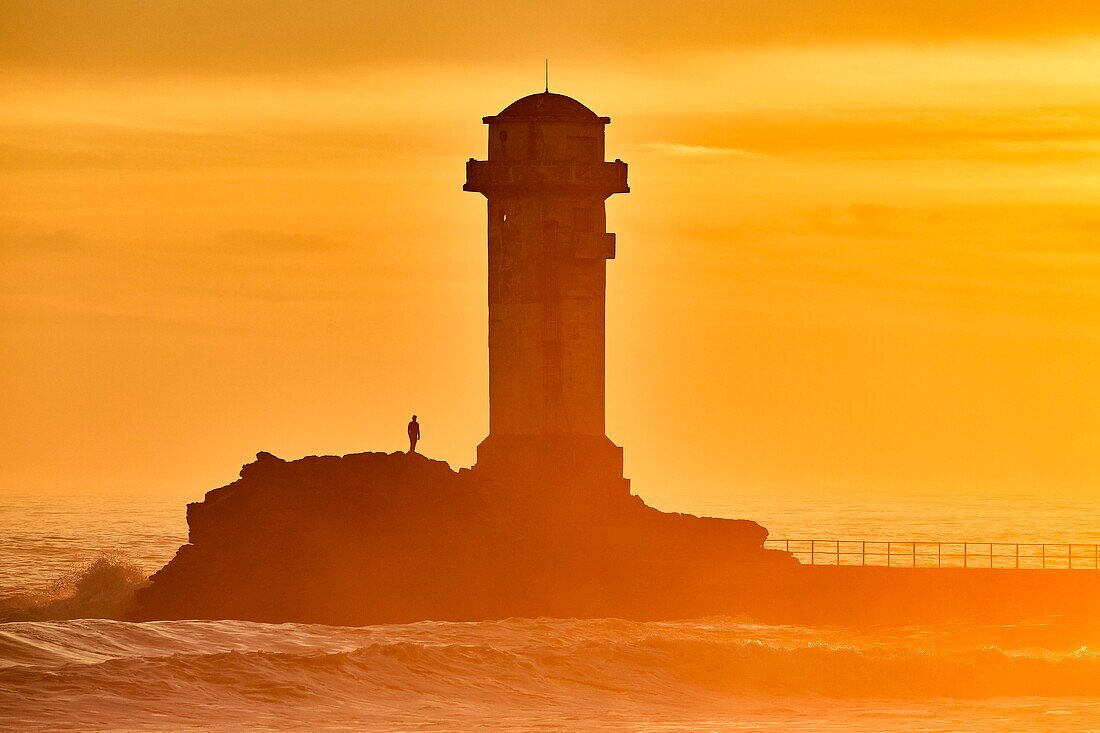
(66, 558)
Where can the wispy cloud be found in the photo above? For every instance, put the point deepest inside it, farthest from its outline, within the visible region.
(271, 243)
(698, 151)
(1006, 133)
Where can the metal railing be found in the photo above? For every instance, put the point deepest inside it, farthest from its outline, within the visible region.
(882, 553)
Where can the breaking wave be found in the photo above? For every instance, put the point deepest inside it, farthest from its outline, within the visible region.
(224, 673)
(102, 587)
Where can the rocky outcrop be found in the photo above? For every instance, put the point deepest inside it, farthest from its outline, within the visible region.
(374, 537)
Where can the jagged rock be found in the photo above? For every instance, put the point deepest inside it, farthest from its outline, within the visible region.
(375, 537)
(264, 460)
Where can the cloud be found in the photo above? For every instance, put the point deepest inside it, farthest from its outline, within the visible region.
(250, 37)
(1040, 134)
(31, 144)
(250, 242)
(1037, 258)
(17, 241)
(701, 151)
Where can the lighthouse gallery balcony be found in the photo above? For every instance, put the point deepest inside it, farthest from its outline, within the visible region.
(484, 176)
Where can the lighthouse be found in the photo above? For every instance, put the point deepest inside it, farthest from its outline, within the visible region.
(546, 182)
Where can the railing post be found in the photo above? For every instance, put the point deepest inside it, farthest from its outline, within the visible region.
(838, 552)
(914, 554)
(1017, 555)
(1044, 546)
(1071, 556)
(939, 554)
(863, 553)
(990, 555)
(964, 554)
(887, 553)
(788, 545)
(812, 551)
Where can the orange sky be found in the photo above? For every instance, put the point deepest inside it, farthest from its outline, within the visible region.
(862, 251)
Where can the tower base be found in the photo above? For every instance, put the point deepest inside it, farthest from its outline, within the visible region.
(575, 465)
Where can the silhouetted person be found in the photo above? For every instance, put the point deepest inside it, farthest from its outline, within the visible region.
(414, 434)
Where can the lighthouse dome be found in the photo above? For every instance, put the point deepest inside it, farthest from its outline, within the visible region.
(548, 106)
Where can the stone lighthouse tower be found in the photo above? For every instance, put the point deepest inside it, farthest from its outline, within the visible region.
(546, 182)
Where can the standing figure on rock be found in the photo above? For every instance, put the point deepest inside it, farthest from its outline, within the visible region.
(414, 434)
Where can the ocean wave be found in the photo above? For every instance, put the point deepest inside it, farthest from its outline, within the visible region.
(720, 656)
(228, 674)
(101, 587)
